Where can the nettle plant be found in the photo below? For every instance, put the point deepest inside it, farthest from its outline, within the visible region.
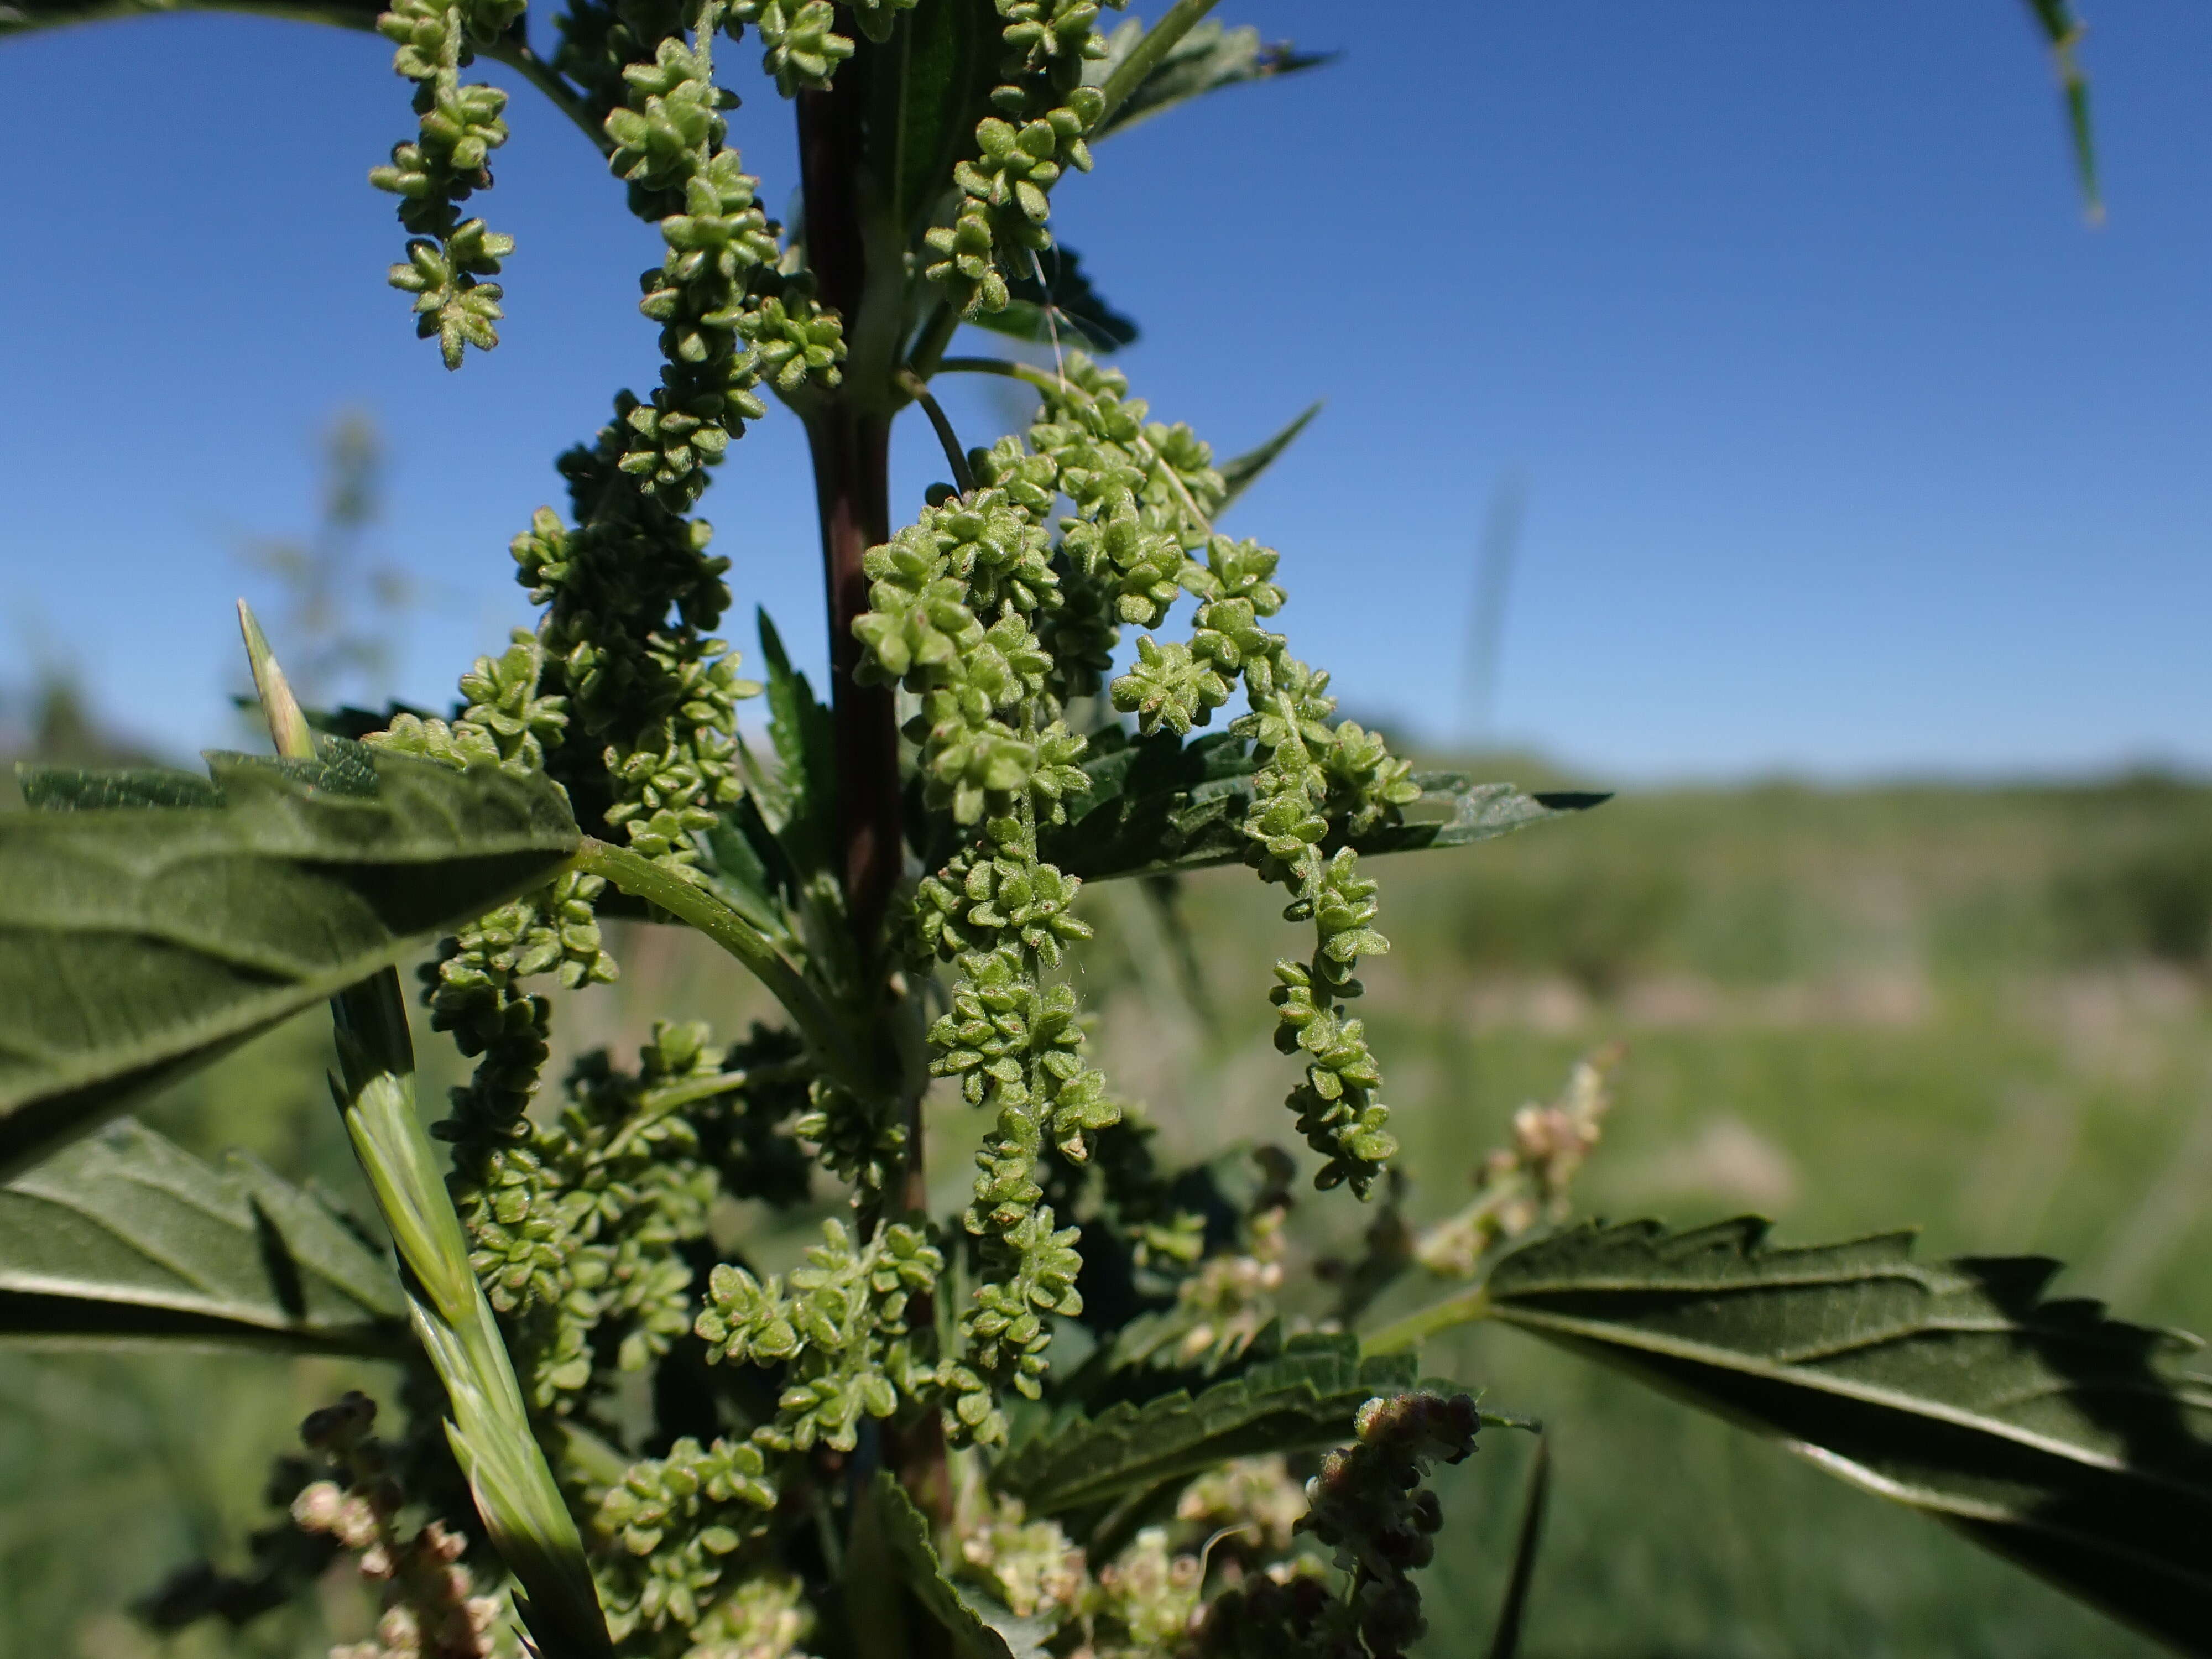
(1069, 1417)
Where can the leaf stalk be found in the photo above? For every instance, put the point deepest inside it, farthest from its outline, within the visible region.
(1159, 40)
(1415, 1329)
(827, 1033)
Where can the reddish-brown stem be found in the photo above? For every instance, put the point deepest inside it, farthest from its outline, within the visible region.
(851, 462)
(849, 433)
(851, 444)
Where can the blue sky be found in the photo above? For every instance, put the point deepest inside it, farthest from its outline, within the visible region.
(1849, 450)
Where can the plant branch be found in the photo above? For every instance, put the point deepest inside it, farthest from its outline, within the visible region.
(1159, 40)
(833, 1042)
(964, 477)
(659, 1103)
(514, 51)
(1005, 367)
(1415, 1329)
(936, 334)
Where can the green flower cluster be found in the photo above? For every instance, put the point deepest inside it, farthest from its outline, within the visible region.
(973, 901)
(628, 1175)
(995, 748)
(573, 1243)
(963, 604)
(1141, 492)
(982, 684)
(657, 699)
(1006, 1328)
(1041, 112)
(503, 721)
(860, 1141)
(1138, 538)
(678, 1520)
(599, 39)
(458, 127)
(799, 48)
(1312, 781)
(726, 317)
(593, 1274)
(838, 1331)
(473, 991)
(577, 1227)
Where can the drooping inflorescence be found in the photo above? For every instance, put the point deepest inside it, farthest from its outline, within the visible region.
(728, 318)
(449, 259)
(955, 602)
(1141, 535)
(1041, 111)
(991, 627)
(679, 1523)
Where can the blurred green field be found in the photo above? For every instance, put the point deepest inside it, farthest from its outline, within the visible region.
(1982, 1012)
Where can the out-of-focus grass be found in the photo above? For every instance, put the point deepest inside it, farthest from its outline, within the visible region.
(1982, 1012)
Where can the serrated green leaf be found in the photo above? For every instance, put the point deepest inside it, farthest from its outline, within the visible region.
(746, 866)
(1240, 472)
(1157, 804)
(1455, 811)
(804, 790)
(2041, 1428)
(978, 1625)
(74, 789)
(1080, 316)
(126, 1237)
(1207, 59)
(926, 95)
(138, 941)
(1307, 1394)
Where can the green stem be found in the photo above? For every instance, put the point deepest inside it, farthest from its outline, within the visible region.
(1006, 367)
(1415, 1329)
(936, 334)
(964, 477)
(658, 1103)
(834, 1046)
(1159, 40)
(516, 54)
